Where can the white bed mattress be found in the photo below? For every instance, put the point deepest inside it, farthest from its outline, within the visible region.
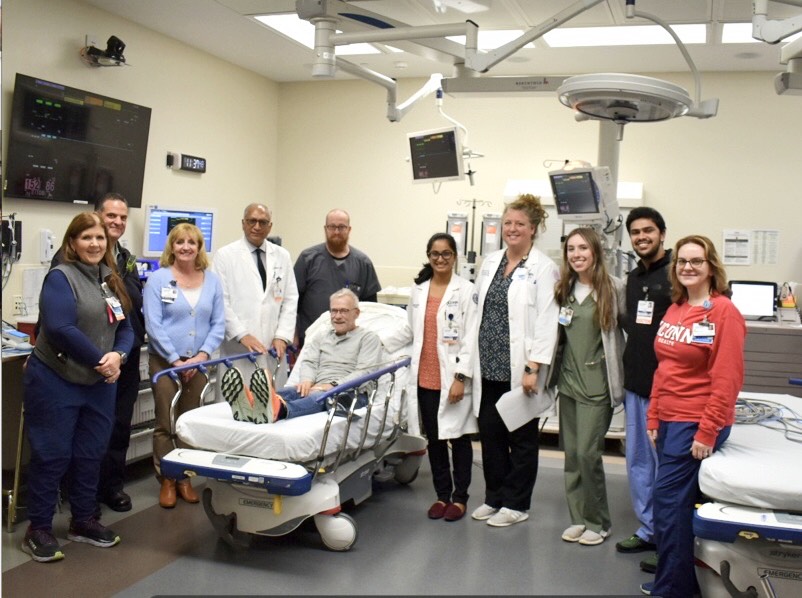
(296, 440)
(757, 466)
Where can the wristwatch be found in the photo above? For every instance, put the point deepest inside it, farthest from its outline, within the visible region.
(529, 370)
(459, 377)
(334, 383)
(123, 356)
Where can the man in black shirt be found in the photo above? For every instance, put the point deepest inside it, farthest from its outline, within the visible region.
(648, 298)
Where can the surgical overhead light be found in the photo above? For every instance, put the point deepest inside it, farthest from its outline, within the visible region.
(624, 98)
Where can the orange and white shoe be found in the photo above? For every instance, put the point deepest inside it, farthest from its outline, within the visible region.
(268, 404)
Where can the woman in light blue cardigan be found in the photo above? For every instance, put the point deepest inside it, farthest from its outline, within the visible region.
(185, 322)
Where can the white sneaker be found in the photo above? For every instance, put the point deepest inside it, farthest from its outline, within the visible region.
(573, 533)
(507, 517)
(591, 538)
(484, 512)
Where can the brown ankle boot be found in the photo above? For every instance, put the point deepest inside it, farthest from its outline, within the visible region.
(167, 494)
(187, 492)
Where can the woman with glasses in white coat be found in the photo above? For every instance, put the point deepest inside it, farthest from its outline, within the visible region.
(517, 336)
(442, 321)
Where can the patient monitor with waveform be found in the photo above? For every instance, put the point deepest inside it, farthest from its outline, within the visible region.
(585, 195)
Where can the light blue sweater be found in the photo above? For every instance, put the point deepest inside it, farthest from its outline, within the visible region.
(176, 329)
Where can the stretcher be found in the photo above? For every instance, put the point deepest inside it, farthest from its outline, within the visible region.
(267, 479)
(749, 536)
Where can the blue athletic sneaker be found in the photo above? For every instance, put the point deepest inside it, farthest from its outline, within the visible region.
(646, 588)
(92, 532)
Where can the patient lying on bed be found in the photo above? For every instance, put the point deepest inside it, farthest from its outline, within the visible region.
(343, 353)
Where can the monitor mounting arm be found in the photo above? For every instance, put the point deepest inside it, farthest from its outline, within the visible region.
(330, 15)
(773, 31)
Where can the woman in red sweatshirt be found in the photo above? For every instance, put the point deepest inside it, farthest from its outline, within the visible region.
(699, 348)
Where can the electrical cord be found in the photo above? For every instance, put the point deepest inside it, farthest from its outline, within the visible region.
(771, 415)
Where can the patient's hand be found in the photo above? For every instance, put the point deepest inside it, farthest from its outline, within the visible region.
(303, 387)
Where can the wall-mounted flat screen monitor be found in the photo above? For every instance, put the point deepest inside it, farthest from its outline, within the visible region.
(70, 145)
(574, 193)
(436, 156)
(160, 220)
(755, 300)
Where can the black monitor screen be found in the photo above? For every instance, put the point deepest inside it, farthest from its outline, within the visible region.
(71, 145)
(574, 193)
(435, 155)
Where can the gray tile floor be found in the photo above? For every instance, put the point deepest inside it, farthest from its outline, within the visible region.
(398, 552)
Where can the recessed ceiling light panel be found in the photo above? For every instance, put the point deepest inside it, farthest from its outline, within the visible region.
(624, 98)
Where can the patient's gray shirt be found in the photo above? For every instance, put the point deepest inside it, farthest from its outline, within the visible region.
(330, 358)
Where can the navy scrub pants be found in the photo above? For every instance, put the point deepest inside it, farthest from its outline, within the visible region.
(676, 493)
(68, 427)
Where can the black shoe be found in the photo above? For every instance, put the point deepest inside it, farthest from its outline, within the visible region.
(42, 545)
(117, 501)
(634, 544)
(92, 532)
(649, 565)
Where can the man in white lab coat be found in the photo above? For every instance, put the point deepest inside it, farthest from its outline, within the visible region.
(259, 289)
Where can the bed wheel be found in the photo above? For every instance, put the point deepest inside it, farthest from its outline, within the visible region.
(338, 532)
(407, 470)
(225, 525)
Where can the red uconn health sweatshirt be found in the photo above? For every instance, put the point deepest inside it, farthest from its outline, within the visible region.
(698, 378)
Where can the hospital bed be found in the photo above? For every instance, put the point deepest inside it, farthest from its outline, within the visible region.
(749, 536)
(266, 480)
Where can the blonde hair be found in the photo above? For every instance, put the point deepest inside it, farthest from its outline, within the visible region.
(185, 229)
(530, 205)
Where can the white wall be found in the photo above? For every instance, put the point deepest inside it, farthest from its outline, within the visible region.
(740, 169)
(200, 105)
(307, 147)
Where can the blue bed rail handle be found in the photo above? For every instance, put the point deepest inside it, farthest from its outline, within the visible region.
(357, 382)
(795, 381)
(204, 365)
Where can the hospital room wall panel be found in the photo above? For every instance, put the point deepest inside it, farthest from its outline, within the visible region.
(736, 171)
(201, 105)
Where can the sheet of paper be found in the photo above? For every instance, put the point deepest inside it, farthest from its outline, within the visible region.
(517, 408)
(737, 247)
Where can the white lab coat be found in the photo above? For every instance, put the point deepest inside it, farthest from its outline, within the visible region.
(266, 314)
(532, 313)
(457, 307)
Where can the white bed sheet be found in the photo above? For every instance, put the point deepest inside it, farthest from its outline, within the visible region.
(298, 440)
(757, 466)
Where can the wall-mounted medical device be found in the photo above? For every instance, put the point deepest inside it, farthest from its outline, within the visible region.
(47, 245)
(436, 155)
(584, 195)
(186, 162)
(457, 227)
(160, 220)
(491, 234)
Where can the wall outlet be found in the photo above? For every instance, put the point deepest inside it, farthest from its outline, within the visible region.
(19, 306)
(91, 40)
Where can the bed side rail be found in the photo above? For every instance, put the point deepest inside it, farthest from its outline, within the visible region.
(203, 368)
(351, 388)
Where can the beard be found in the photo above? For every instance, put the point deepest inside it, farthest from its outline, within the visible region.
(650, 253)
(337, 245)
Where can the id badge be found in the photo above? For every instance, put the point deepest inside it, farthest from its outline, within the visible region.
(116, 308)
(450, 336)
(645, 312)
(566, 315)
(169, 294)
(278, 291)
(703, 333)
(519, 274)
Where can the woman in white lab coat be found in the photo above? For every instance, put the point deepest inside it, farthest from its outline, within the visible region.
(442, 321)
(515, 344)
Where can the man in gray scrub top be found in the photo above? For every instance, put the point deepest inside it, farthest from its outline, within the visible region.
(322, 269)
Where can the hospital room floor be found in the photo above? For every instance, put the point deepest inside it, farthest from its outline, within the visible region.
(399, 551)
